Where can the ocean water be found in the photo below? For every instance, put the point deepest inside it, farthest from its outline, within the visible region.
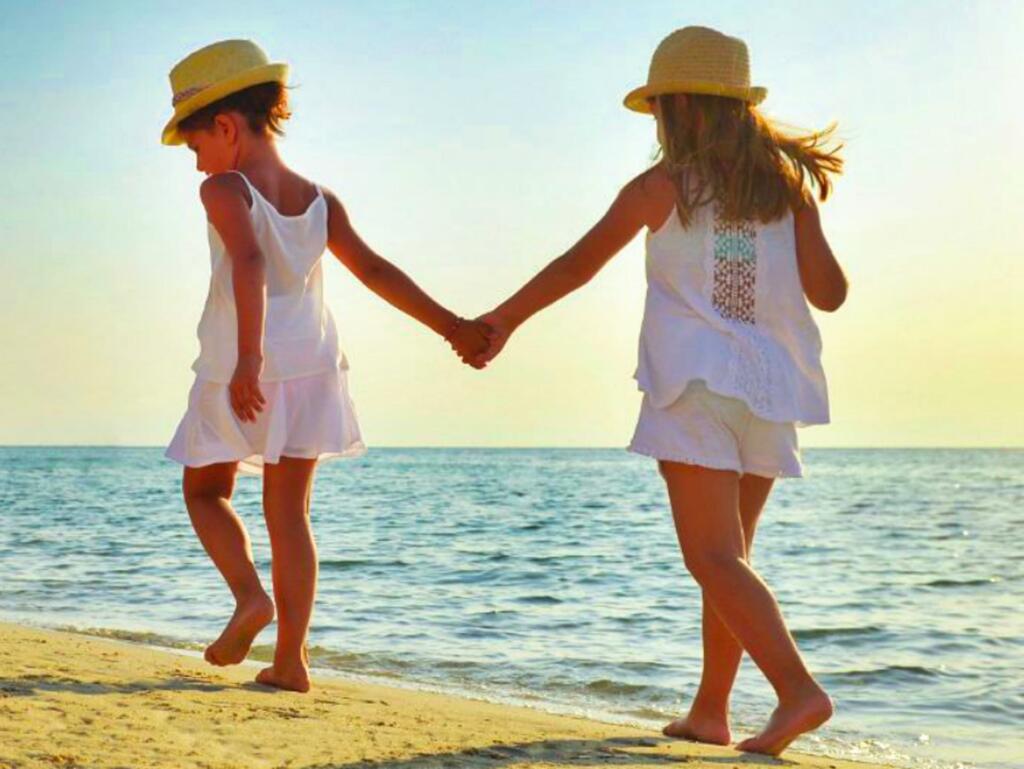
(553, 577)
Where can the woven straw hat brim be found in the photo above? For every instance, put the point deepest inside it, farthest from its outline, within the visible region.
(268, 73)
(636, 99)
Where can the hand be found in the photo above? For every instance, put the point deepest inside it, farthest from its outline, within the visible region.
(499, 332)
(470, 339)
(244, 389)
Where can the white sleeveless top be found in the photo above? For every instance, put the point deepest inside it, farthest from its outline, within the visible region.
(300, 337)
(725, 304)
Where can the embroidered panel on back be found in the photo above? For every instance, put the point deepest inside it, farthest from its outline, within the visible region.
(735, 269)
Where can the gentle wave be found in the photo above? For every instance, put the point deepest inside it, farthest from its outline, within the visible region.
(887, 674)
(983, 582)
(810, 634)
(558, 581)
(135, 636)
(342, 564)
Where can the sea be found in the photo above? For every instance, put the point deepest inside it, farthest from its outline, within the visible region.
(553, 578)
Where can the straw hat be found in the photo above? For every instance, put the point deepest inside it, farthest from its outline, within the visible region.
(697, 60)
(212, 73)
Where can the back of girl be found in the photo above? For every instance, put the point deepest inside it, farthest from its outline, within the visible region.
(270, 395)
(729, 354)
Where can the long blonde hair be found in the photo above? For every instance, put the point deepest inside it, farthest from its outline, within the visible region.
(720, 149)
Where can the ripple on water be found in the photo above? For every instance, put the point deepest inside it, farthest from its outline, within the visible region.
(559, 578)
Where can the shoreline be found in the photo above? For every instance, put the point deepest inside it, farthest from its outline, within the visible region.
(75, 700)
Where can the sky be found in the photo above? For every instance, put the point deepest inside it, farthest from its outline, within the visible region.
(472, 143)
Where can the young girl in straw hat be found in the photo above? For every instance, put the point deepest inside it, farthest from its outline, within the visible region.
(729, 358)
(270, 394)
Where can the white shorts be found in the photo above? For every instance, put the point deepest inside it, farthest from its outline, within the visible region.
(710, 430)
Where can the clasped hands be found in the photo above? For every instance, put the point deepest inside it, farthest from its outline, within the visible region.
(476, 342)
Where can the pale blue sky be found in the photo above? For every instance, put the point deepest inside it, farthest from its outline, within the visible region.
(472, 142)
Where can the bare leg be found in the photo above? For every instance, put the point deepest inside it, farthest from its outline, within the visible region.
(705, 507)
(708, 719)
(207, 492)
(287, 489)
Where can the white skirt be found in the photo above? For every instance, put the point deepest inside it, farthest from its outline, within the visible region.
(311, 417)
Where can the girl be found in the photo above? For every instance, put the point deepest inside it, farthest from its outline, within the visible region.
(270, 395)
(729, 353)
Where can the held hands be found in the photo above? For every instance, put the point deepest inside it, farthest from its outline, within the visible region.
(246, 398)
(477, 342)
(500, 330)
(470, 339)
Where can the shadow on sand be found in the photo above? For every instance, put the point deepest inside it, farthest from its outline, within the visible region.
(28, 685)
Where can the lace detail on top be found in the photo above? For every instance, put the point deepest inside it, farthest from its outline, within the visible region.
(750, 372)
(732, 278)
(734, 272)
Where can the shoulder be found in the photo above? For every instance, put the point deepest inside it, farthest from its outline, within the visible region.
(340, 232)
(653, 194)
(806, 217)
(652, 184)
(807, 230)
(221, 191)
(335, 210)
(332, 200)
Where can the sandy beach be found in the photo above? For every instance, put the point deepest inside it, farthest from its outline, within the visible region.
(71, 700)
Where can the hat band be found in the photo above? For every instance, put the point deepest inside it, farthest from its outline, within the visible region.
(187, 93)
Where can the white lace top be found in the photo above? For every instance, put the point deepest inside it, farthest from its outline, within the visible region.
(725, 304)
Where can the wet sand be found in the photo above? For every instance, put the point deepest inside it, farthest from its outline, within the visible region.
(70, 700)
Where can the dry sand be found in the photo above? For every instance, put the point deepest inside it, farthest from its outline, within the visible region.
(70, 700)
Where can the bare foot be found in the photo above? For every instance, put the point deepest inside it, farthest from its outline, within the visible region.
(789, 720)
(714, 731)
(292, 679)
(245, 624)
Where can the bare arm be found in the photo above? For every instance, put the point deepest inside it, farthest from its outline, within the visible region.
(630, 211)
(575, 268)
(228, 211)
(394, 286)
(822, 278)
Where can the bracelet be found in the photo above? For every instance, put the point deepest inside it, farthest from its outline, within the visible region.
(455, 327)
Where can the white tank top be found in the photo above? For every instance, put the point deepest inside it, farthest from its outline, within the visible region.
(725, 304)
(300, 337)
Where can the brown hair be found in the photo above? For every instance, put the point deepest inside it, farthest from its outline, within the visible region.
(720, 149)
(264, 106)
